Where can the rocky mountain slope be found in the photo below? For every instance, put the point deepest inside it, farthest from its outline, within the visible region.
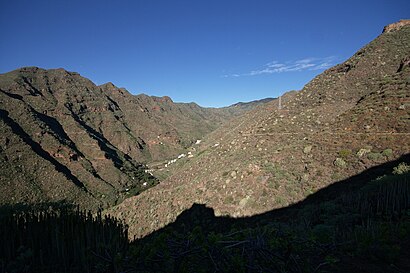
(351, 117)
(166, 128)
(64, 138)
(250, 105)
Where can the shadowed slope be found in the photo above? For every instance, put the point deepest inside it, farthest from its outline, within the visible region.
(38, 150)
(365, 228)
(356, 225)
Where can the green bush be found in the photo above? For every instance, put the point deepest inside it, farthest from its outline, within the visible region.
(387, 153)
(345, 153)
(374, 156)
(402, 168)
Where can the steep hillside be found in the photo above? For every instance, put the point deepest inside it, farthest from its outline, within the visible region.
(64, 138)
(166, 128)
(52, 144)
(346, 120)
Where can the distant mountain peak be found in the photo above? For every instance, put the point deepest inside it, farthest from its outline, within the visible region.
(35, 69)
(109, 86)
(252, 103)
(166, 99)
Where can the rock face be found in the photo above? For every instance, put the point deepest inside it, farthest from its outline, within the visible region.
(64, 138)
(337, 126)
(396, 26)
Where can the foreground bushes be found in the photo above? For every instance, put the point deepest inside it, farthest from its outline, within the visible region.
(60, 240)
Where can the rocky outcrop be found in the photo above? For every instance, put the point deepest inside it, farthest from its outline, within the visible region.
(404, 64)
(396, 26)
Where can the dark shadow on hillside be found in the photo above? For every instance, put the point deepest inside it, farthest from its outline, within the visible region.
(57, 130)
(200, 215)
(103, 143)
(36, 147)
(11, 95)
(198, 241)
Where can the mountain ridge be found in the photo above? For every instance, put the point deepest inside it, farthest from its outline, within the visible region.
(62, 125)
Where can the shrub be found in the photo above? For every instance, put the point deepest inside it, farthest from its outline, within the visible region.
(388, 153)
(345, 153)
(401, 168)
(339, 162)
(374, 156)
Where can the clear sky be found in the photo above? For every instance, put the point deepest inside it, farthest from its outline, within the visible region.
(213, 52)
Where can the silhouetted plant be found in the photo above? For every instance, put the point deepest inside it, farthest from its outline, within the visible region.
(61, 240)
(401, 168)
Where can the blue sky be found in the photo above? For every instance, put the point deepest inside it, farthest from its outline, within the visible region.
(213, 52)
